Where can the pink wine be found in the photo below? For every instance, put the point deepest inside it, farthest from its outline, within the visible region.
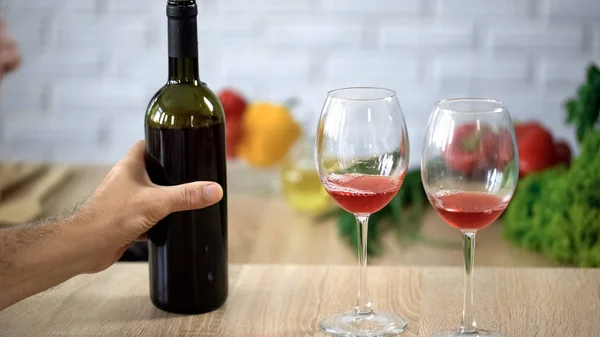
(468, 210)
(362, 194)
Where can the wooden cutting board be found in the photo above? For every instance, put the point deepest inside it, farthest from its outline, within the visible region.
(26, 203)
(13, 175)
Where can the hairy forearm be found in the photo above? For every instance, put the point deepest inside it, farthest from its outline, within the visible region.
(37, 256)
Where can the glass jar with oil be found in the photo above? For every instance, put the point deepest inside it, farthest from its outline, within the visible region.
(300, 182)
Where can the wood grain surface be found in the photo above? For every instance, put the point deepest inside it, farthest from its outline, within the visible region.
(263, 229)
(14, 174)
(288, 300)
(28, 203)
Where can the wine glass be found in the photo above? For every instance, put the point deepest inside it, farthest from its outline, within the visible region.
(470, 169)
(362, 157)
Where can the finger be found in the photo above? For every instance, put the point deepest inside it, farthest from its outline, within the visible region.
(120, 253)
(13, 60)
(191, 196)
(5, 61)
(142, 238)
(4, 38)
(9, 43)
(136, 152)
(134, 158)
(5, 57)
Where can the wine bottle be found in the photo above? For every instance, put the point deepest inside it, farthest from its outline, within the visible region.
(185, 142)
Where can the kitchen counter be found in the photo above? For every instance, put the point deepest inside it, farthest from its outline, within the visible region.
(263, 229)
(290, 300)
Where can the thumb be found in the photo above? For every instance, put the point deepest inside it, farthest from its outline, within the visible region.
(192, 196)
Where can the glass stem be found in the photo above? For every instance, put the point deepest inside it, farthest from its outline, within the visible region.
(363, 303)
(468, 324)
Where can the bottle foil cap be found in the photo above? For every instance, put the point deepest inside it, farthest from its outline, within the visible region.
(182, 8)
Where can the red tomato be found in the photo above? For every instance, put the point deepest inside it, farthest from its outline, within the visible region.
(233, 133)
(463, 153)
(536, 148)
(233, 103)
(498, 148)
(234, 106)
(563, 152)
(523, 127)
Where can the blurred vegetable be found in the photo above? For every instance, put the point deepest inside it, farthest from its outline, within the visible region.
(536, 148)
(498, 148)
(476, 147)
(563, 152)
(584, 108)
(234, 106)
(268, 132)
(464, 152)
(556, 211)
(233, 103)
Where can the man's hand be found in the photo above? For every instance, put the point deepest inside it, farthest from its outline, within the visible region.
(123, 208)
(127, 204)
(10, 57)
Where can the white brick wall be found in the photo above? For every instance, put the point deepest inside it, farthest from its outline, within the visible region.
(308, 32)
(542, 37)
(90, 66)
(572, 9)
(489, 9)
(429, 34)
(372, 7)
(258, 7)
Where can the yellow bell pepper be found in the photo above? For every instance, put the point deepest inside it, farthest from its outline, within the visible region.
(268, 132)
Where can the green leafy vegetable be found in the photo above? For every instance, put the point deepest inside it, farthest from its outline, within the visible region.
(583, 110)
(557, 211)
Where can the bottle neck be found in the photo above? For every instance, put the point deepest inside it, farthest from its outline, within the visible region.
(183, 50)
(183, 70)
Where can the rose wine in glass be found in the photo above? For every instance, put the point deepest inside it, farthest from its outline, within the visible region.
(470, 169)
(468, 210)
(362, 194)
(361, 156)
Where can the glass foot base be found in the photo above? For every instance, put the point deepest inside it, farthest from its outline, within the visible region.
(363, 325)
(479, 333)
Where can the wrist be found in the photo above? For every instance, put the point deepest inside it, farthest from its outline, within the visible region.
(82, 248)
(92, 245)
(76, 240)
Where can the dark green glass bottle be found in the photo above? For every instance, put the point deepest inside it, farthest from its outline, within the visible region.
(185, 140)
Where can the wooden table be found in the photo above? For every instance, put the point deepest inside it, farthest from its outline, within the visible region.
(290, 300)
(263, 229)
